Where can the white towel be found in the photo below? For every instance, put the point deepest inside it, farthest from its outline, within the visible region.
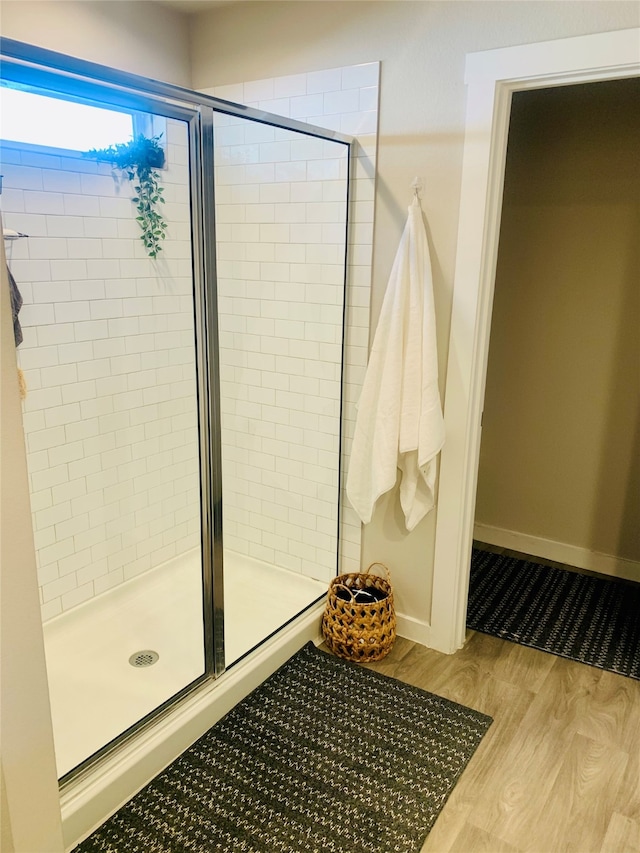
(399, 422)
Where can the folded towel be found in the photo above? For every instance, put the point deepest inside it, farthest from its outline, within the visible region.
(399, 422)
(16, 305)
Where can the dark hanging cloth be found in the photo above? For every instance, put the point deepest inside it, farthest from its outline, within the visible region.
(16, 305)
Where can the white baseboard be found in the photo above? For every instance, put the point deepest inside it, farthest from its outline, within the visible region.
(413, 629)
(559, 552)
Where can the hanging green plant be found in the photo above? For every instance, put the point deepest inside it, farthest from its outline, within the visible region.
(139, 161)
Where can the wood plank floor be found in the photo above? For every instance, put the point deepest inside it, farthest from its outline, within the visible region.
(559, 769)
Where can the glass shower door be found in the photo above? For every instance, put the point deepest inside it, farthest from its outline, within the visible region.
(280, 209)
(111, 426)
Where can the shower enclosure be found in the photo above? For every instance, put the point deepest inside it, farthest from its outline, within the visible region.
(183, 414)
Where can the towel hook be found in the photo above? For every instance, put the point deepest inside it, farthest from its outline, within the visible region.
(416, 186)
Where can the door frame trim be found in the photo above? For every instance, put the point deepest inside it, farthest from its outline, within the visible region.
(491, 78)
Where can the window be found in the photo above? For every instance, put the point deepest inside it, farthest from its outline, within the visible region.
(56, 123)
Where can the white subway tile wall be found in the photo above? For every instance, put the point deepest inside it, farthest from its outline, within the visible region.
(280, 240)
(108, 355)
(280, 320)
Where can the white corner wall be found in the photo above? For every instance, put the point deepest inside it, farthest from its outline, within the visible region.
(28, 762)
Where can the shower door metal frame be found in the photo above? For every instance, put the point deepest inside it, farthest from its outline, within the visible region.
(56, 74)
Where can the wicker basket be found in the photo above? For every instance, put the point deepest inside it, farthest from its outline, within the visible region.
(360, 631)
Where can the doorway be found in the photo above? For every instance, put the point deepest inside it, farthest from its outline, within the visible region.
(558, 470)
(492, 78)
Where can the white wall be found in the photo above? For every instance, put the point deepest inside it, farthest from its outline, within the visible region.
(108, 355)
(143, 38)
(422, 48)
(28, 762)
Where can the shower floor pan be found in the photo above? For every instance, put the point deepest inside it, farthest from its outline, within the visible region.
(113, 660)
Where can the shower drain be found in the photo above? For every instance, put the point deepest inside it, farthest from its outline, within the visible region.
(145, 657)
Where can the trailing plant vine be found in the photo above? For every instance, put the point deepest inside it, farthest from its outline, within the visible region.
(138, 160)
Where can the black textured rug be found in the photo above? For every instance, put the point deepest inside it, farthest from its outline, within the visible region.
(325, 756)
(588, 619)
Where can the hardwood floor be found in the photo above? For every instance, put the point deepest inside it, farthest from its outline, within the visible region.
(559, 769)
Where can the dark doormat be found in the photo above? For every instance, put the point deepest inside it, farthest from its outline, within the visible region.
(589, 619)
(324, 756)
